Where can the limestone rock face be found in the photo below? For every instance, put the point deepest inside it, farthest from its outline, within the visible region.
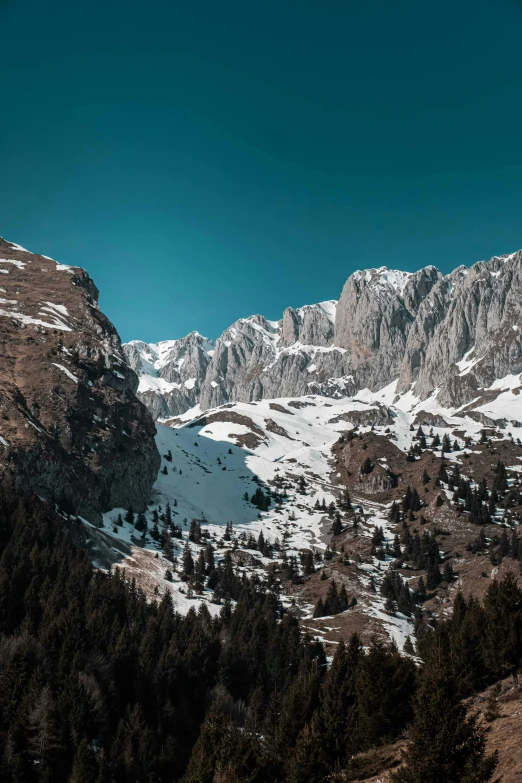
(455, 333)
(478, 337)
(72, 429)
(309, 325)
(374, 316)
(170, 372)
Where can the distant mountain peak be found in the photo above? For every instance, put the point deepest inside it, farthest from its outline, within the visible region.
(388, 325)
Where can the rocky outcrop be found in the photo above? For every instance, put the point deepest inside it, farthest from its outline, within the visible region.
(478, 338)
(374, 316)
(72, 429)
(170, 372)
(309, 325)
(455, 333)
(373, 415)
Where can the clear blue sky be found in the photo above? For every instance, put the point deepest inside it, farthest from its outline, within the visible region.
(208, 159)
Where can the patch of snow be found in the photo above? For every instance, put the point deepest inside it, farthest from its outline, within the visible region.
(14, 262)
(466, 363)
(66, 371)
(26, 319)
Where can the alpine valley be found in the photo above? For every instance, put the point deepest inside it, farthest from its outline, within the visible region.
(359, 461)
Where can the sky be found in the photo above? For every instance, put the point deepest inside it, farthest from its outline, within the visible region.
(207, 160)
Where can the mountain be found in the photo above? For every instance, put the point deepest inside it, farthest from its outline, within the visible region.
(72, 429)
(348, 475)
(391, 389)
(170, 373)
(455, 332)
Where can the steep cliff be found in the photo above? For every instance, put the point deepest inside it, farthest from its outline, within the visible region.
(72, 429)
(470, 332)
(456, 333)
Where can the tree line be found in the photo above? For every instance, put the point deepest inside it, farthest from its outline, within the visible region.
(99, 684)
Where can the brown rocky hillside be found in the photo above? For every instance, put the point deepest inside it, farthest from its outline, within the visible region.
(71, 427)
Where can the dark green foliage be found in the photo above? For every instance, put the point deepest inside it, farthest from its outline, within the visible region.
(384, 686)
(411, 500)
(260, 499)
(445, 744)
(88, 661)
(307, 562)
(195, 531)
(394, 587)
(337, 525)
(336, 601)
(100, 685)
(502, 641)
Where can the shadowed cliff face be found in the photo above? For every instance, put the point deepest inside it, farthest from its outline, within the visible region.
(71, 426)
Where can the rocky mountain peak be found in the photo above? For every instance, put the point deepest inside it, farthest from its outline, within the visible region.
(413, 327)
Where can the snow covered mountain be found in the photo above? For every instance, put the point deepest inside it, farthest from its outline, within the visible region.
(410, 383)
(304, 454)
(416, 328)
(170, 372)
(369, 446)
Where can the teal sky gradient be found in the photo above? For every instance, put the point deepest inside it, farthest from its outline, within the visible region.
(206, 160)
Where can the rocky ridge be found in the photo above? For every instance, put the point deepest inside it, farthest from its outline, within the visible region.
(455, 333)
(72, 429)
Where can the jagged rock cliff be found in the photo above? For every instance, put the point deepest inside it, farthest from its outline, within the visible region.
(71, 429)
(170, 372)
(476, 334)
(455, 333)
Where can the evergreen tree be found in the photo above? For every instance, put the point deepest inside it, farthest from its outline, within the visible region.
(85, 767)
(367, 466)
(384, 687)
(187, 561)
(337, 525)
(445, 744)
(503, 627)
(338, 703)
(308, 763)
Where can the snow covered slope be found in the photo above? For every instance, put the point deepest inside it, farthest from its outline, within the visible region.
(213, 462)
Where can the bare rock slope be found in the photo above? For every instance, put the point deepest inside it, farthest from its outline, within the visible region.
(71, 428)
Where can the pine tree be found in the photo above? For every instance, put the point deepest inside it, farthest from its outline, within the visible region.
(188, 562)
(338, 703)
(385, 682)
(308, 763)
(85, 768)
(337, 525)
(319, 608)
(367, 466)
(503, 628)
(445, 744)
